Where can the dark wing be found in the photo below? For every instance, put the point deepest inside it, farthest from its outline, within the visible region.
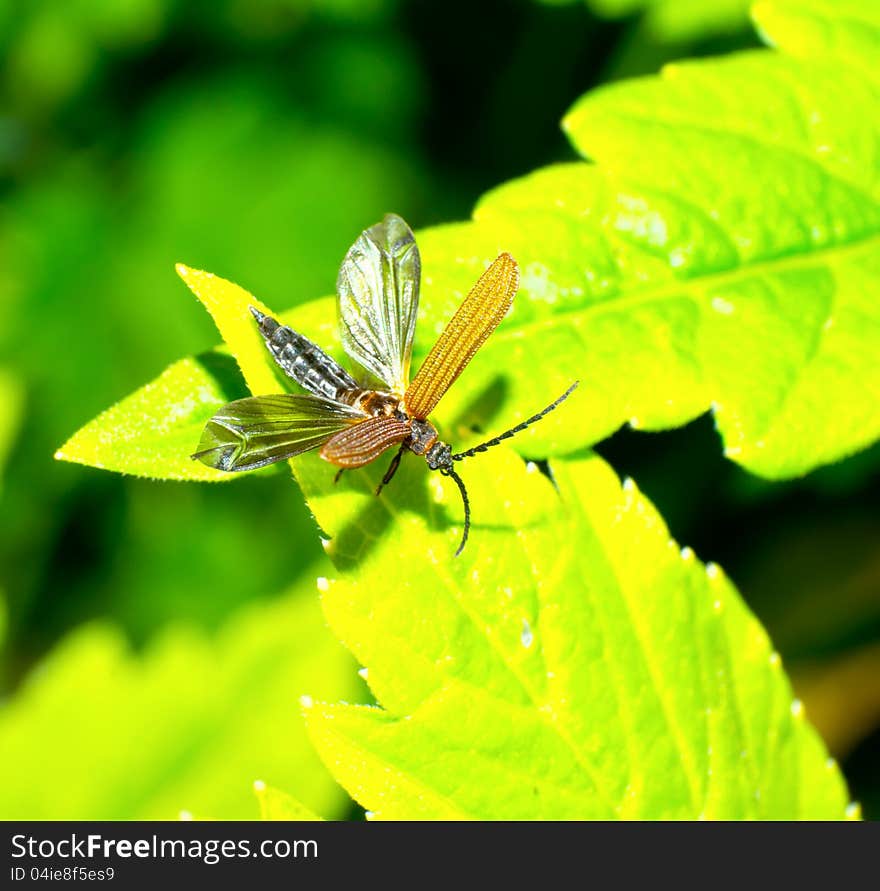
(303, 360)
(378, 299)
(260, 430)
(364, 442)
(480, 314)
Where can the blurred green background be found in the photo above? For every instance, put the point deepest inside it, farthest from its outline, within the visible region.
(256, 139)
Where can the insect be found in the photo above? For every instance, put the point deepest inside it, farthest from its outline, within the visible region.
(353, 421)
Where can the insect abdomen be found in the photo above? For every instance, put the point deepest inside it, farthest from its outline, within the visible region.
(302, 360)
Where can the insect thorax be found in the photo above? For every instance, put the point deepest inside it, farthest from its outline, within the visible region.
(375, 403)
(423, 437)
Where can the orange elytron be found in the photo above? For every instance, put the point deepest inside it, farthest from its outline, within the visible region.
(351, 422)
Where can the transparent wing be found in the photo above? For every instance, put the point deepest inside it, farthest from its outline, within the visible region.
(260, 430)
(477, 317)
(378, 299)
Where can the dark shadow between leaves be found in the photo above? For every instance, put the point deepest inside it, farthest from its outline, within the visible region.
(226, 373)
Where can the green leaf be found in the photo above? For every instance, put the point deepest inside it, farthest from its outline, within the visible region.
(277, 805)
(722, 253)
(767, 261)
(97, 732)
(154, 431)
(679, 20)
(574, 663)
(229, 305)
(846, 30)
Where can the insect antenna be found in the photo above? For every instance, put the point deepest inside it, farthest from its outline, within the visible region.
(448, 471)
(483, 446)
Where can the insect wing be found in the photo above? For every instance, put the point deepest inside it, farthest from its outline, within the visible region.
(378, 300)
(364, 442)
(477, 317)
(260, 430)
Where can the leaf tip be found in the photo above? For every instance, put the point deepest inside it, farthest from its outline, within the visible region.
(75, 456)
(759, 8)
(762, 15)
(192, 277)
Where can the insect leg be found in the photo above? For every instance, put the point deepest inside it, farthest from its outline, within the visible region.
(392, 469)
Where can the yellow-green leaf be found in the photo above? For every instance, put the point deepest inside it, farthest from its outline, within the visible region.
(721, 253)
(154, 431)
(278, 805)
(574, 663)
(100, 733)
(228, 305)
